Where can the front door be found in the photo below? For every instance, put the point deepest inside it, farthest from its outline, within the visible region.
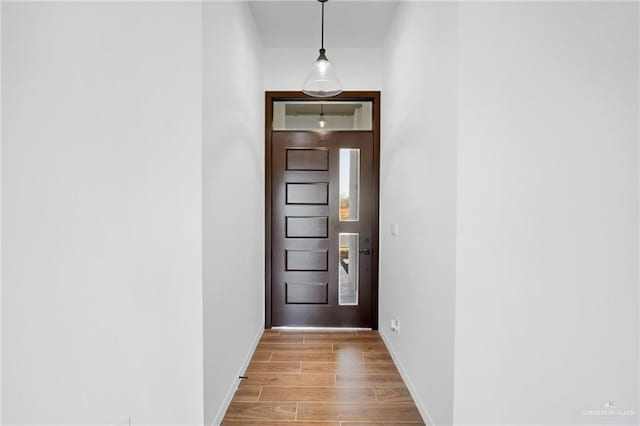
(322, 228)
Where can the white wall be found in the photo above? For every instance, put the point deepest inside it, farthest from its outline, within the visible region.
(0, 214)
(418, 187)
(357, 68)
(233, 197)
(101, 187)
(547, 290)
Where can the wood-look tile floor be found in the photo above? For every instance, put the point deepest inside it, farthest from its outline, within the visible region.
(322, 379)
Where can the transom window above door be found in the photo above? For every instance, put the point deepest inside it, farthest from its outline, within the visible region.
(322, 115)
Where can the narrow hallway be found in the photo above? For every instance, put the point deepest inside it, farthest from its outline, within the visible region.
(322, 378)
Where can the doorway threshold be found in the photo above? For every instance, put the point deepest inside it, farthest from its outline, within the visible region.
(291, 328)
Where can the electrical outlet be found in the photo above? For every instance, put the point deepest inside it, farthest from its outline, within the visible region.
(395, 325)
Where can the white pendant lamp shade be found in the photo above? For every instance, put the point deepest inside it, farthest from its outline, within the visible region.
(322, 81)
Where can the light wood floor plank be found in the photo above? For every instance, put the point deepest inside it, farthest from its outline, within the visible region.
(317, 333)
(345, 367)
(334, 338)
(275, 367)
(305, 356)
(362, 347)
(360, 412)
(272, 423)
(261, 356)
(368, 379)
(376, 356)
(278, 338)
(393, 394)
(247, 393)
(295, 347)
(260, 379)
(261, 411)
(367, 333)
(372, 423)
(341, 357)
(319, 394)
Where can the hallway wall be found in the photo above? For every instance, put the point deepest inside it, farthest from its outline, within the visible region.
(534, 106)
(547, 290)
(1, 215)
(418, 187)
(232, 196)
(101, 213)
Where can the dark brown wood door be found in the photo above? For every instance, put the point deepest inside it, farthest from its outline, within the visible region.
(322, 228)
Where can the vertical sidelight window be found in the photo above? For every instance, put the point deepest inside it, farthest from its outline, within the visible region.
(349, 267)
(349, 184)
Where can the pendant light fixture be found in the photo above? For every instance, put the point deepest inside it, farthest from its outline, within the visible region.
(322, 122)
(322, 81)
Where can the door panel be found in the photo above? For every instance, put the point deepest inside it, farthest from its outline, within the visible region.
(322, 198)
(315, 293)
(308, 159)
(306, 260)
(307, 227)
(308, 193)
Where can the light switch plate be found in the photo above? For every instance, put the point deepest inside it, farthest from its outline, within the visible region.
(394, 229)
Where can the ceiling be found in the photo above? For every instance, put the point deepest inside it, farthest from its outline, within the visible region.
(348, 24)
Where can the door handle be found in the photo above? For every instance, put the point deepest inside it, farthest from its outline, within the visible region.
(365, 251)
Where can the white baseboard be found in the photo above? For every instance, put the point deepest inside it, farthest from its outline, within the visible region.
(234, 386)
(407, 381)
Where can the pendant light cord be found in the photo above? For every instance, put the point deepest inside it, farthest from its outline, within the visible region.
(322, 29)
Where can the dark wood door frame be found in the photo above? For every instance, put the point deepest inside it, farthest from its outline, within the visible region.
(360, 96)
